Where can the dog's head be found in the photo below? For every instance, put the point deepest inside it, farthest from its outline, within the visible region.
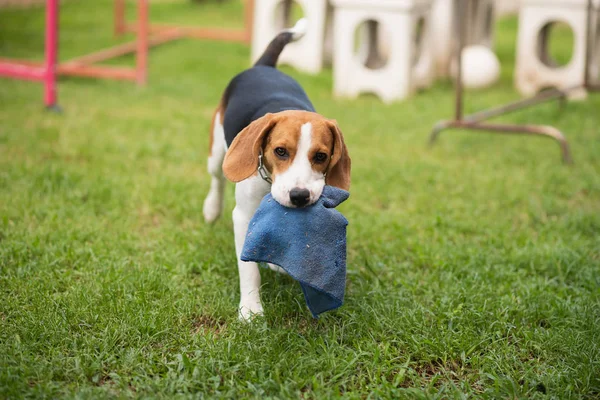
(302, 151)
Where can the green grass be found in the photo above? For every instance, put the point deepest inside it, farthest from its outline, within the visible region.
(473, 267)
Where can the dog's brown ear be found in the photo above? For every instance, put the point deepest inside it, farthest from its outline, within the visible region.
(338, 172)
(241, 159)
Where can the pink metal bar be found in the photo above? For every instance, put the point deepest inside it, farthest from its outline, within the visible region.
(22, 62)
(102, 72)
(249, 20)
(119, 17)
(141, 59)
(22, 71)
(122, 49)
(51, 52)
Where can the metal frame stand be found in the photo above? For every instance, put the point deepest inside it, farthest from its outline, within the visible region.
(476, 121)
(232, 35)
(147, 35)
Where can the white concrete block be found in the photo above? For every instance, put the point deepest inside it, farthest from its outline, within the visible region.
(307, 54)
(534, 68)
(409, 63)
(507, 7)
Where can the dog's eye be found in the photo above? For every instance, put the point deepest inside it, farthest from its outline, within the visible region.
(281, 152)
(320, 158)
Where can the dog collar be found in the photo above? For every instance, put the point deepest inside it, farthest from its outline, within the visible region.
(262, 171)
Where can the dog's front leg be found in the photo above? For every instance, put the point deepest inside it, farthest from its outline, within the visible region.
(248, 195)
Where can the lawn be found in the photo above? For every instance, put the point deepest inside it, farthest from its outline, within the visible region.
(473, 267)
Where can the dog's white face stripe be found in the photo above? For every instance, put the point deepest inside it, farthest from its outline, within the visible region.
(300, 174)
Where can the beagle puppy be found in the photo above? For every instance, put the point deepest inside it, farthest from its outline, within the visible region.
(267, 137)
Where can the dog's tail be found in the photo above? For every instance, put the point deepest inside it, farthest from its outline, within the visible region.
(274, 49)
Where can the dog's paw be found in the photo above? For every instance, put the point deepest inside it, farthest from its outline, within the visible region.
(212, 207)
(248, 312)
(277, 268)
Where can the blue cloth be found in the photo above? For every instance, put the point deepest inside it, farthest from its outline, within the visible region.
(308, 243)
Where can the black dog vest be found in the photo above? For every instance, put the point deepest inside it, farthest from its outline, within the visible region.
(258, 91)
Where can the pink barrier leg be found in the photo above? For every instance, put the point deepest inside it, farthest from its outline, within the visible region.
(141, 68)
(51, 53)
(119, 17)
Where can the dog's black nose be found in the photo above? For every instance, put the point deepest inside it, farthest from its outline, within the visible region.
(299, 197)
